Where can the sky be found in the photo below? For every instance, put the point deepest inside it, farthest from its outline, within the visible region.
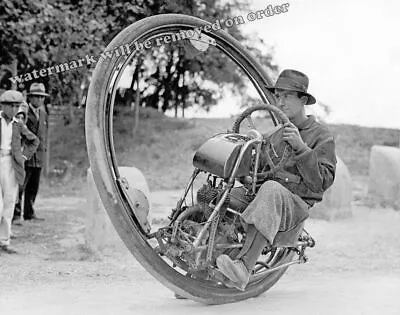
(350, 51)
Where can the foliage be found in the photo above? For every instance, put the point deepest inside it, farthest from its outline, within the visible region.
(40, 34)
(45, 33)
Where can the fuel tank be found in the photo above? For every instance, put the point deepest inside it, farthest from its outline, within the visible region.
(218, 155)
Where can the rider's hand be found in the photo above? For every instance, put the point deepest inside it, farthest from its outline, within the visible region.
(292, 135)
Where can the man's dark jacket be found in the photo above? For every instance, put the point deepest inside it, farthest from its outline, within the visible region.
(310, 172)
(39, 127)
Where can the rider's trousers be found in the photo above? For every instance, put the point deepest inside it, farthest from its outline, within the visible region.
(277, 214)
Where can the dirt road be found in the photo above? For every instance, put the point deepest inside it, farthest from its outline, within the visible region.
(295, 294)
(354, 269)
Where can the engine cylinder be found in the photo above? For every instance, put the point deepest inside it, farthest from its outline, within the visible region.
(238, 199)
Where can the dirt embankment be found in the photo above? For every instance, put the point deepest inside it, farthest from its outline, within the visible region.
(162, 143)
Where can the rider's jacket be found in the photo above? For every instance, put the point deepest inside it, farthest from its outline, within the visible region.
(310, 172)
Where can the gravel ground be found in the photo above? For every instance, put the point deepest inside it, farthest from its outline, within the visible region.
(354, 269)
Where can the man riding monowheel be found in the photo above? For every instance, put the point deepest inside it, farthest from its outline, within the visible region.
(275, 216)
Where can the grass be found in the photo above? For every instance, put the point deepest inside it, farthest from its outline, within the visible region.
(162, 148)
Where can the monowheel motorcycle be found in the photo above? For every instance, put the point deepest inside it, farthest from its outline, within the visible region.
(181, 254)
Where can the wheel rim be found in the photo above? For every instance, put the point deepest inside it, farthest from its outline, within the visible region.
(102, 156)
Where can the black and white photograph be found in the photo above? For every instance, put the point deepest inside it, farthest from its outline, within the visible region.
(199, 157)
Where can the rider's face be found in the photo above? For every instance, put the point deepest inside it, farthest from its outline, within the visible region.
(289, 102)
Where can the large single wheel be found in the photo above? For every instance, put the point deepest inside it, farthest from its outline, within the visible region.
(99, 123)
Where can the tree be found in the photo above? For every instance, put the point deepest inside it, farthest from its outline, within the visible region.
(45, 33)
(179, 76)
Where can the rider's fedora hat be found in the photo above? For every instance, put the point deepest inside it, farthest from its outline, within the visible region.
(37, 89)
(293, 80)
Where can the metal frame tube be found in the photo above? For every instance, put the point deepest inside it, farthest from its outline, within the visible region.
(231, 180)
(179, 205)
(262, 274)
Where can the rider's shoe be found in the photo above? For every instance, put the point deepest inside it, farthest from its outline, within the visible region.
(234, 270)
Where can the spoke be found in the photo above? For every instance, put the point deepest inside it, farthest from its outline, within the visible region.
(251, 122)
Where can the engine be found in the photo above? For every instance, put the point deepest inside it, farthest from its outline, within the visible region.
(199, 233)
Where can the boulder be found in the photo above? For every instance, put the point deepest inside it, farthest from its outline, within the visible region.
(336, 203)
(100, 234)
(384, 176)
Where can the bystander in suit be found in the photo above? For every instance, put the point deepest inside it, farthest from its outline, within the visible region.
(37, 122)
(12, 158)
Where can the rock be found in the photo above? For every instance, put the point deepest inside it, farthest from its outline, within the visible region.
(384, 176)
(336, 203)
(100, 233)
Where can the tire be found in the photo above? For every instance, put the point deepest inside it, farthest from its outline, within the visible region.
(98, 128)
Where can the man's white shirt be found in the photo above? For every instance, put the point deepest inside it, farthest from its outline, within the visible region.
(6, 133)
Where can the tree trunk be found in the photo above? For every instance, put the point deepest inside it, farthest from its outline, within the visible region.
(135, 79)
(137, 105)
(167, 82)
(48, 148)
(82, 88)
(14, 70)
(71, 113)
